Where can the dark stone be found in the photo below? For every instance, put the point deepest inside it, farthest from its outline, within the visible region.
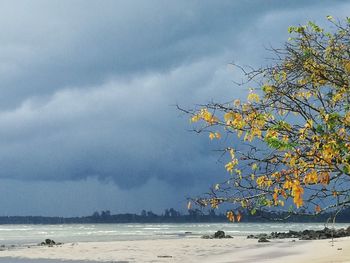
(348, 231)
(219, 234)
(49, 242)
(305, 237)
(340, 233)
(306, 234)
(263, 240)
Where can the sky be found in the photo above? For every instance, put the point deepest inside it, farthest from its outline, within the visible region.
(88, 92)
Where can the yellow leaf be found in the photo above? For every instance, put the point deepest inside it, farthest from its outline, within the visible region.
(347, 118)
(254, 166)
(237, 103)
(228, 116)
(253, 97)
(232, 153)
(311, 178)
(189, 205)
(195, 118)
(267, 89)
(309, 123)
(297, 193)
(231, 216)
(239, 217)
(318, 209)
(211, 136)
(229, 166)
(347, 66)
(285, 138)
(324, 178)
(214, 203)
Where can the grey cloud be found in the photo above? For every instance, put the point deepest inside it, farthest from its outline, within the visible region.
(49, 45)
(127, 131)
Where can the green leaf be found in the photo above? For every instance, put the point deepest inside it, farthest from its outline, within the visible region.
(319, 129)
(279, 145)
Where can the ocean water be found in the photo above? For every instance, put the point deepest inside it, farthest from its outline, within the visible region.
(34, 234)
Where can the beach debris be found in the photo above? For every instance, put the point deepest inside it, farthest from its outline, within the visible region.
(165, 256)
(217, 235)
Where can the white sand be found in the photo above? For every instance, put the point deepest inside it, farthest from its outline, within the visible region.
(188, 250)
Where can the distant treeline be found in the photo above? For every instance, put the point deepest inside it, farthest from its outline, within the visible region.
(169, 216)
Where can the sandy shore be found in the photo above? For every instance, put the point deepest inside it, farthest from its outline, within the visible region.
(186, 250)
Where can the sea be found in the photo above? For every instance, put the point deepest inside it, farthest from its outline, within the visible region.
(23, 235)
(68, 233)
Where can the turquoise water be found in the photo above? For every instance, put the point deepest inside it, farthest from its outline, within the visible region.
(33, 234)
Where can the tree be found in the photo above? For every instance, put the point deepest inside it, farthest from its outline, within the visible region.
(96, 214)
(167, 213)
(151, 214)
(105, 214)
(292, 150)
(173, 212)
(143, 213)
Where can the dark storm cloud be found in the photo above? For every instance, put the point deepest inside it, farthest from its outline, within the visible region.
(48, 45)
(88, 87)
(124, 130)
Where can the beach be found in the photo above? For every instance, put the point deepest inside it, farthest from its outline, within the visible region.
(166, 243)
(238, 249)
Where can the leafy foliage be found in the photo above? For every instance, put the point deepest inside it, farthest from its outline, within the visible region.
(294, 126)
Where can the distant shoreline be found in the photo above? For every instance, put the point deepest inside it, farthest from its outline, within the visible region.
(105, 217)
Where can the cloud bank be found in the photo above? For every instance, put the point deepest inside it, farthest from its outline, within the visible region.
(89, 88)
